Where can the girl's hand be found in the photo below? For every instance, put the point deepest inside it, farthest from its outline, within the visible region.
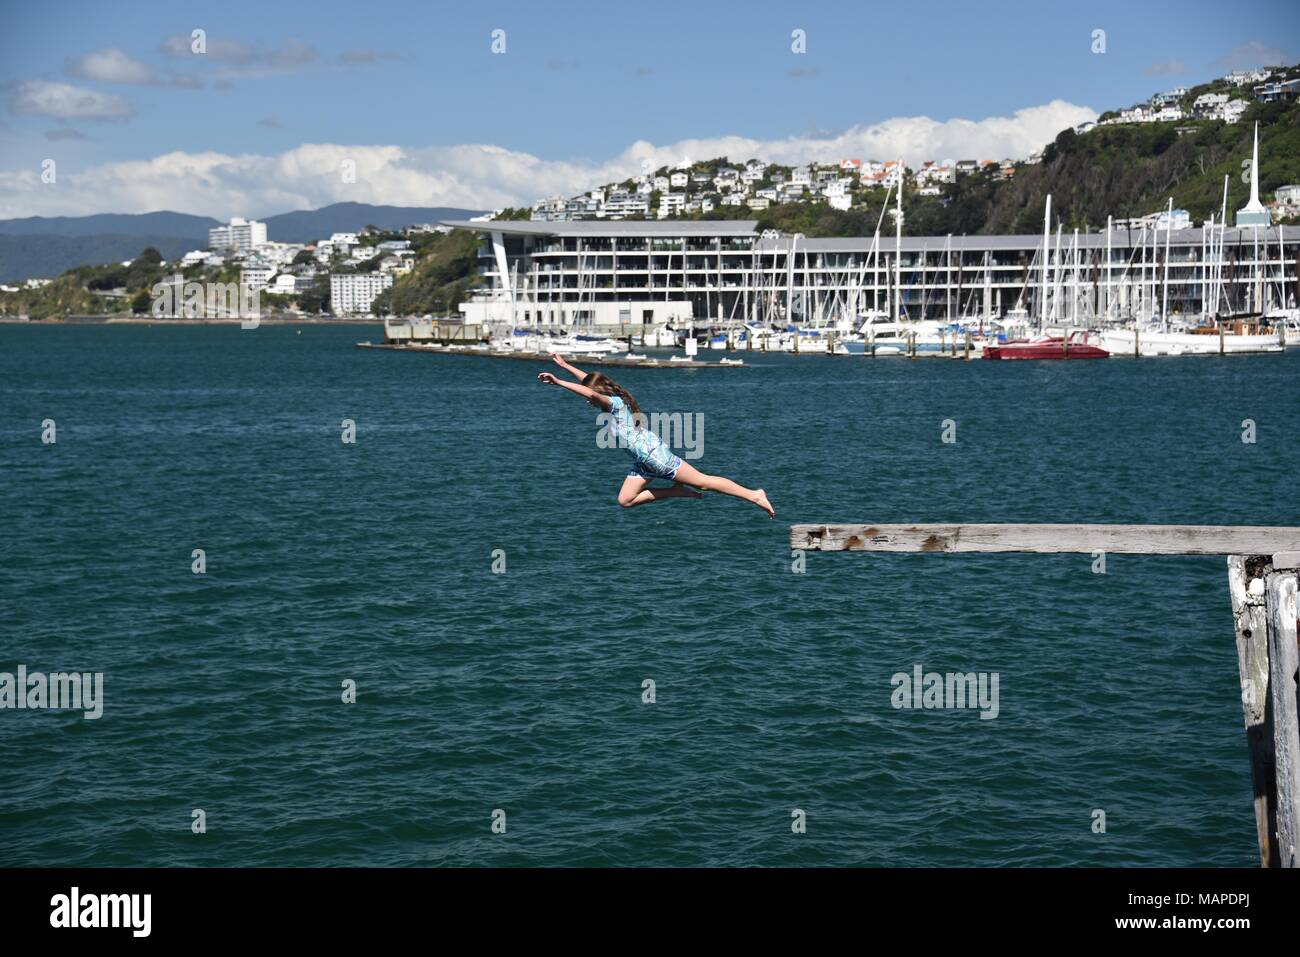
(547, 378)
(559, 360)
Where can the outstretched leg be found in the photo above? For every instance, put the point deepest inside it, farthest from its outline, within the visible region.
(690, 475)
(635, 492)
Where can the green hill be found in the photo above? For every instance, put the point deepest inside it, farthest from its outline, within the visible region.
(1133, 170)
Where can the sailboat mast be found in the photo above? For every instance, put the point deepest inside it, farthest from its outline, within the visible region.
(1203, 263)
(898, 241)
(1047, 230)
(947, 293)
(1058, 273)
(1143, 283)
(1108, 289)
(988, 292)
(1169, 231)
(1074, 283)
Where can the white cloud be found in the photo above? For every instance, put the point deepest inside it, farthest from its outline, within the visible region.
(111, 65)
(63, 101)
(364, 57)
(1253, 53)
(239, 59)
(1167, 68)
(480, 175)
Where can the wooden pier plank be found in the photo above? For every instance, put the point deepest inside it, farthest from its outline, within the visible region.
(1145, 539)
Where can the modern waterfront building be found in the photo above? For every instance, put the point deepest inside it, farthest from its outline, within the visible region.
(610, 275)
(352, 294)
(623, 274)
(240, 236)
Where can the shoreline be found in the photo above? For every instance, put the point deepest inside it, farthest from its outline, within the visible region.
(176, 321)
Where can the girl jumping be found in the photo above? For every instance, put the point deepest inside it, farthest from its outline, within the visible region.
(653, 459)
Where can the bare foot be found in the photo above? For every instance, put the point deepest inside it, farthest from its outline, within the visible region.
(760, 499)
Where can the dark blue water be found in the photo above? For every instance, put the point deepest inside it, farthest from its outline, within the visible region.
(522, 691)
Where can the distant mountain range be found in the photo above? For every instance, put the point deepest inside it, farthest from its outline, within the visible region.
(309, 225)
(39, 246)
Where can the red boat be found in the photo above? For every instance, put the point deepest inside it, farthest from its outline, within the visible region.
(1075, 346)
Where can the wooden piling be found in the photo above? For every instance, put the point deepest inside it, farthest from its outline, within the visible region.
(1246, 588)
(1283, 658)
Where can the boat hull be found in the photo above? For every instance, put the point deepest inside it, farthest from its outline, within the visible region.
(1149, 344)
(1044, 349)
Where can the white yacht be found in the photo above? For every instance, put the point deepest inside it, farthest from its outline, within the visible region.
(1176, 339)
(565, 345)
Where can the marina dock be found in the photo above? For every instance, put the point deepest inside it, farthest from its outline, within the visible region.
(635, 362)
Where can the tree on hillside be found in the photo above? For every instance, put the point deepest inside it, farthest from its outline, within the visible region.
(317, 298)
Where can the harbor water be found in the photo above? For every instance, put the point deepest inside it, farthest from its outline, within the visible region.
(653, 686)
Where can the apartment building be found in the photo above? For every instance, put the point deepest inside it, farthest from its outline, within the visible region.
(352, 294)
(240, 235)
(256, 274)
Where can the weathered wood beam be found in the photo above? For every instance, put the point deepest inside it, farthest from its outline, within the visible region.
(1284, 660)
(1148, 539)
(1246, 586)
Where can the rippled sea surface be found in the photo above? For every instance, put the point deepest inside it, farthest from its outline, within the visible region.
(523, 691)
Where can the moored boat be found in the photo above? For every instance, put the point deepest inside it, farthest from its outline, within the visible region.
(1074, 346)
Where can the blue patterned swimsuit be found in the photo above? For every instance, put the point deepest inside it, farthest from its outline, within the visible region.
(653, 459)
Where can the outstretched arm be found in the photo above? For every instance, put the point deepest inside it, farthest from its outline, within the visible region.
(589, 394)
(567, 367)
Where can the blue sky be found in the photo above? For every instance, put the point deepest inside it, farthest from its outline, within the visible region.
(579, 83)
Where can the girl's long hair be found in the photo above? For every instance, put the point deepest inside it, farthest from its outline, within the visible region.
(599, 382)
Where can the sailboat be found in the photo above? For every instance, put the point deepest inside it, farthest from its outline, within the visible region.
(1074, 345)
(1166, 335)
